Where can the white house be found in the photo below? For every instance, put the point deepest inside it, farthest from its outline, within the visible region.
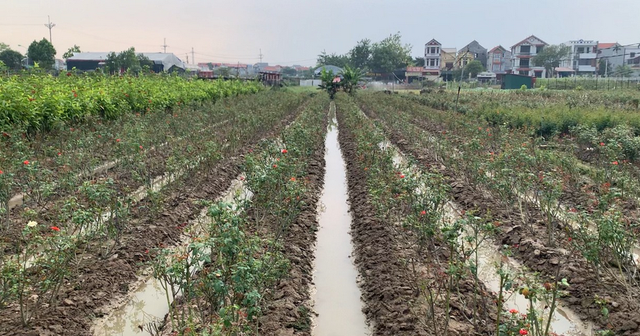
(523, 53)
(582, 58)
(617, 55)
(432, 57)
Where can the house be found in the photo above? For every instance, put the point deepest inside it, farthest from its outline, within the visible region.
(499, 61)
(477, 51)
(448, 58)
(618, 54)
(432, 56)
(415, 73)
(463, 58)
(89, 61)
(523, 52)
(582, 57)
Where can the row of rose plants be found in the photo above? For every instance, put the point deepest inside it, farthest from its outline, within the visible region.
(46, 165)
(227, 270)
(543, 113)
(97, 215)
(41, 102)
(424, 192)
(513, 167)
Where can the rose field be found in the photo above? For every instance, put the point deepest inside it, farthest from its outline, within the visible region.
(158, 205)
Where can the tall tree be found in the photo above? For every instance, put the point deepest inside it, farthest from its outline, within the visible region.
(474, 68)
(360, 55)
(71, 51)
(551, 56)
(390, 54)
(43, 53)
(333, 59)
(623, 71)
(3, 46)
(12, 59)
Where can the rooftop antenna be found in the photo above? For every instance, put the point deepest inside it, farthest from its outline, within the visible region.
(165, 45)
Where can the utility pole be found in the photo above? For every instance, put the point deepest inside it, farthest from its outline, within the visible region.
(187, 58)
(261, 55)
(193, 56)
(165, 45)
(49, 25)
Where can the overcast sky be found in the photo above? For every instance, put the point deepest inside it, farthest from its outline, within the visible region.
(295, 31)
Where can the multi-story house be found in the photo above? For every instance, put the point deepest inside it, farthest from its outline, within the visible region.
(499, 60)
(617, 55)
(523, 53)
(448, 58)
(432, 57)
(582, 57)
(477, 51)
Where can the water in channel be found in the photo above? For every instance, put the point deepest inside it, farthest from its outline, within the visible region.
(337, 296)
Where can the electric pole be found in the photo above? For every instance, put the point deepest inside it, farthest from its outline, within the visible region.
(49, 25)
(165, 45)
(261, 55)
(193, 56)
(187, 58)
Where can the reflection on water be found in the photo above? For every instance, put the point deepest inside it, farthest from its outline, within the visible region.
(148, 303)
(337, 296)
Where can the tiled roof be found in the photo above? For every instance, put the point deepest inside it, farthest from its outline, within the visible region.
(525, 40)
(606, 45)
(499, 47)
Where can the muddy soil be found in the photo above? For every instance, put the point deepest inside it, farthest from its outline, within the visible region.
(531, 249)
(96, 282)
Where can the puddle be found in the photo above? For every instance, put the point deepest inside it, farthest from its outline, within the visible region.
(148, 303)
(337, 296)
(564, 321)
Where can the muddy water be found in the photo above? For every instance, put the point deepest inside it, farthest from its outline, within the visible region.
(337, 296)
(564, 320)
(147, 302)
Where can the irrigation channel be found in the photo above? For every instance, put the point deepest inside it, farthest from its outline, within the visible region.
(337, 296)
(564, 321)
(148, 302)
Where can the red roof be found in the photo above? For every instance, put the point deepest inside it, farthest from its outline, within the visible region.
(271, 68)
(606, 45)
(415, 69)
(525, 40)
(497, 48)
(433, 42)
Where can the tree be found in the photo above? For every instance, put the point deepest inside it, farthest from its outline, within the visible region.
(390, 54)
(127, 60)
(474, 68)
(551, 56)
(604, 67)
(71, 51)
(623, 71)
(42, 53)
(3, 46)
(360, 55)
(350, 78)
(11, 59)
(334, 59)
(330, 83)
(289, 71)
(419, 61)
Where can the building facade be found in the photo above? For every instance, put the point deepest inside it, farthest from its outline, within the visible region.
(617, 55)
(432, 57)
(478, 52)
(499, 60)
(447, 58)
(582, 57)
(523, 53)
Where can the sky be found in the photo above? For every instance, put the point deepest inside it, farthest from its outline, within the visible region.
(289, 32)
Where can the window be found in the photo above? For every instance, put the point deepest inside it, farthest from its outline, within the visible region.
(632, 55)
(580, 50)
(521, 72)
(524, 63)
(540, 48)
(525, 49)
(584, 62)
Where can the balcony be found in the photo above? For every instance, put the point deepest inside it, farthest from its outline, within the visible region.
(588, 56)
(586, 68)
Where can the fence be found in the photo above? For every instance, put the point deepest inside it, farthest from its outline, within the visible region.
(589, 83)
